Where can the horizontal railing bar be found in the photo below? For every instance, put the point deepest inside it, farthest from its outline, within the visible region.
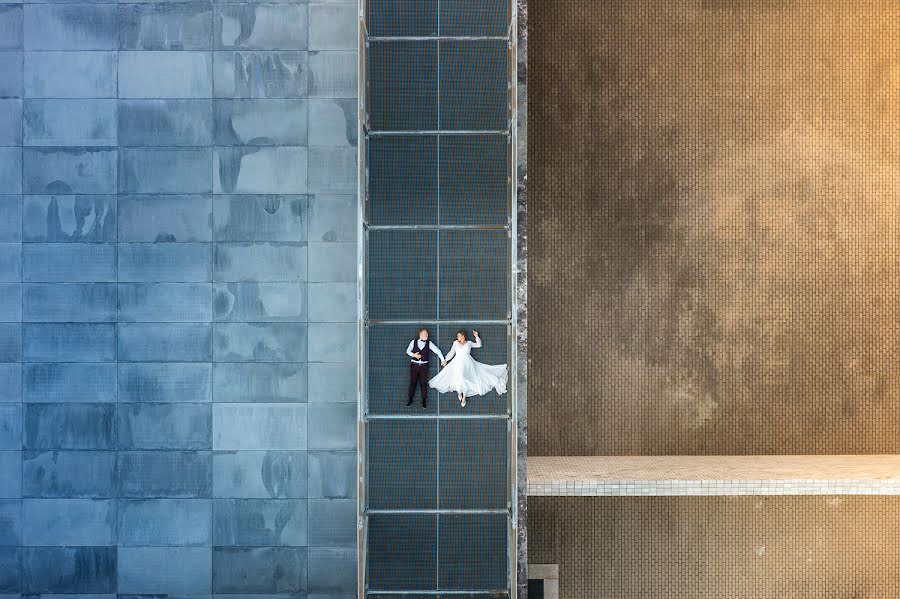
(439, 511)
(376, 133)
(437, 227)
(437, 38)
(439, 321)
(427, 416)
(503, 592)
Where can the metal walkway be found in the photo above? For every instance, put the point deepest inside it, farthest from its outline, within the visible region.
(437, 494)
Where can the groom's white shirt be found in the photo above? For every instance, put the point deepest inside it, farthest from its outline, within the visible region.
(421, 346)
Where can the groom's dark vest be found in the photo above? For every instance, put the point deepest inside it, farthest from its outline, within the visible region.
(425, 351)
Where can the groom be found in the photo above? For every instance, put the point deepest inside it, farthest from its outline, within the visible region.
(419, 350)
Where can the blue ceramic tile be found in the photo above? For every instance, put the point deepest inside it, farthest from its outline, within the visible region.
(332, 474)
(70, 27)
(165, 122)
(69, 474)
(165, 570)
(11, 75)
(10, 522)
(165, 382)
(11, 570)
(332, 27)
(70, 426)
(69, 342)
(260, 122)
(165, 302)
(71, 122)
(149, 74)
(10, 426)
(69, 570)
(10, 218)
(69, 262)
(165, 262)
(260, 262)
(165, 426)
(11, 30)
(260, 382)
(333, 122)
(70, 74)
(332, 262)
(261, 26)
(11, 122)
(332, 74)
(11, 170)
(162, 522)
(70, 302)
(182, 26)
(165, 170)
(260, 342)
(69, 522)
(332, 426)
(76, 218)
(260, 474)
(69, 170)
(10, 342)
(332, 170)
(332, 522)
(242, 74)
(165, 218)
(332, 342)
(260, 302)
(259, 570)
(161, 342)
(10, 302)
(260, 523)
(332, 572)
(260, 218)
(253, 170)
(259, 426)
(10, 383)
(332, 302)
(10, 474)
(165, 474)
(69, 383)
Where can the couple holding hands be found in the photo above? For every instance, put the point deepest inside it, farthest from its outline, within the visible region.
(461, 372)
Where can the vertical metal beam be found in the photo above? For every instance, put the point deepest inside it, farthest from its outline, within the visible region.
(362, 278)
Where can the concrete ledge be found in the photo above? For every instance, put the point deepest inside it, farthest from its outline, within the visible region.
(714, 475)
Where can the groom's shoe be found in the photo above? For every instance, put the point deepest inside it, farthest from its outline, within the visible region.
(409, 402)
(424, 404)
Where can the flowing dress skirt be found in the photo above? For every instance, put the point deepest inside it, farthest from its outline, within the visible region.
(470, 377)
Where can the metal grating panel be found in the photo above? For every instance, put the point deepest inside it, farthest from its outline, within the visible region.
(474, 17)
(473, 551)
(388, 381)
(402, 552)
(403, 180)
(403, 85)
(391, 18)
(402, 280)
(473, 464)
(474, 274)
(474, 85)
(402, 464)
(474, 179)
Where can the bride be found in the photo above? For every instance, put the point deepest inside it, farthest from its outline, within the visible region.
(465, 375)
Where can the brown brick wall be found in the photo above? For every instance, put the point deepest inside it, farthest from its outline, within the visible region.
(714, 226)
(821, 547)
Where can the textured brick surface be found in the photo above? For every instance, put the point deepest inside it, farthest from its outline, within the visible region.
(713, 547)
(160, 179)
(714, 227)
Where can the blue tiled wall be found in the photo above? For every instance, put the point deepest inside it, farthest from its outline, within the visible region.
(178, 298)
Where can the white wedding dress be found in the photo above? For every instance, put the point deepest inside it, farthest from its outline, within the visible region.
(463, 374)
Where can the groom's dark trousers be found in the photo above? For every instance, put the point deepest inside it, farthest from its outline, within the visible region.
(418, 375)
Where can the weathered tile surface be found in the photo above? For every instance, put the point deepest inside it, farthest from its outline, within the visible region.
(154, 298)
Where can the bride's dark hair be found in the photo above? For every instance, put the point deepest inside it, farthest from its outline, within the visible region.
(463, 333)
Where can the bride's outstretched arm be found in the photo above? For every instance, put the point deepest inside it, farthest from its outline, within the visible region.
(477, 342)
(450, 353)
